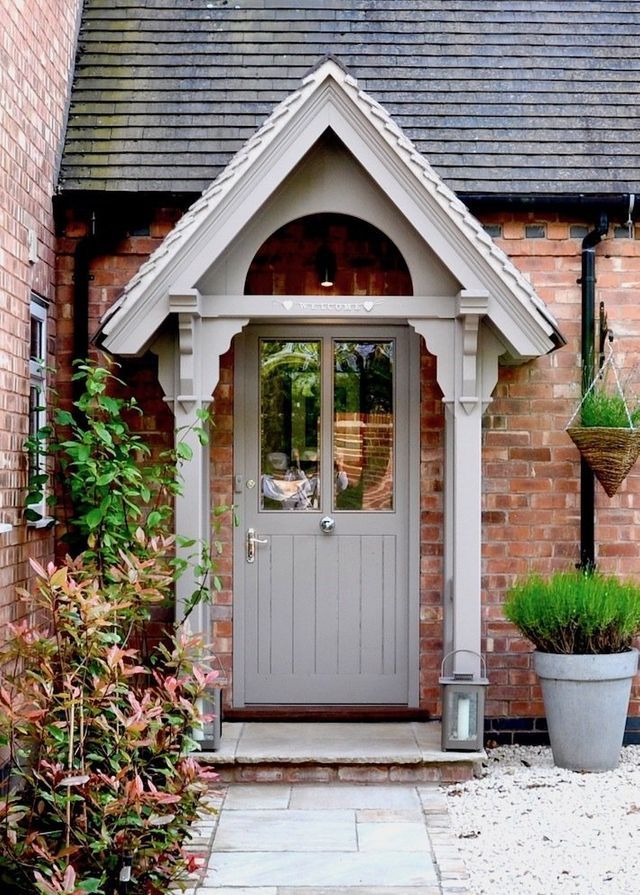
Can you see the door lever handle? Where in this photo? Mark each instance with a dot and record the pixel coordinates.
(252, 540)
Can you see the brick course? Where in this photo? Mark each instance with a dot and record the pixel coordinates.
(454, 772)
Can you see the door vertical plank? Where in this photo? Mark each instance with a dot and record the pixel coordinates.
(303, 561)
(327, 606)
(349, 599)
(258, 649)
(279, 631)
(372, 603)
(392, 602)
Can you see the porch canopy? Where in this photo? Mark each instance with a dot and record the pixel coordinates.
(331, 148)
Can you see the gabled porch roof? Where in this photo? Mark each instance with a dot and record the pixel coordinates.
(329, 99)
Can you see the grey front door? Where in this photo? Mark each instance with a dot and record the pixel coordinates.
(323, 466)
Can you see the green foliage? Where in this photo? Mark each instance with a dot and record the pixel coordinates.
(601, 408)
(107, 483)
(576, 612)
(99, 734)
(96, 722)
(105, 475)
(607, 403)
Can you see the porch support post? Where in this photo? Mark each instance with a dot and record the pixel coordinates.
(467, 372)
(189, 370)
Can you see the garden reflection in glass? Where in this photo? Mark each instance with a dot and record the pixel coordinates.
(290, 386)
(363, 425)
(362, 435)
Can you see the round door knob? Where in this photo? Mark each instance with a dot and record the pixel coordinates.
(327, 524)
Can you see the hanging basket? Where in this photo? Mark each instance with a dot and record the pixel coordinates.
(610, 453)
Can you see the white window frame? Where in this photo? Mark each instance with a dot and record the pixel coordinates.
(37, 412)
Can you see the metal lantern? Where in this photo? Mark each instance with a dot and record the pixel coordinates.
(210, 734)
(463, 708)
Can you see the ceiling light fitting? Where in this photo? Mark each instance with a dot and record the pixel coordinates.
(326, 267)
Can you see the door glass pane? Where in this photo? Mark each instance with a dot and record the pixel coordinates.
(289, 424)
(363, 425)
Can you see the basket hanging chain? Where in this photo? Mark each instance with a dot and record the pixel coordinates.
(609, 362)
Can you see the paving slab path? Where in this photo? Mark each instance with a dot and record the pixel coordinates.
(324, 839)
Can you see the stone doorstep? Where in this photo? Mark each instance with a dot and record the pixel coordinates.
(401, 752)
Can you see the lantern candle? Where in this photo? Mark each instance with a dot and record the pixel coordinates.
(464, 708)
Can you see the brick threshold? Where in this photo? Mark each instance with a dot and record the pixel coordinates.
(322, 713)
(309, 772)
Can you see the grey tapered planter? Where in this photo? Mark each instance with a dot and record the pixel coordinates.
(586, 699)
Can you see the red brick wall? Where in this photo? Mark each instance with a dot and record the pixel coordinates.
(117, 241)
(36, 54)
(531, 468)
(118, 237)
(431, 533)
(531, 485)
(222, 495)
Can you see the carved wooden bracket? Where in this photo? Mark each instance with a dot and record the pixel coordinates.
(186, 305)
(189, 360)
(471, 308)
(186, 363)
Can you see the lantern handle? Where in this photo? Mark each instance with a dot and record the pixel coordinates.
(472, 653)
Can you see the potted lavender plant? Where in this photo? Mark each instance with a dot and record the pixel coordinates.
(582, 627)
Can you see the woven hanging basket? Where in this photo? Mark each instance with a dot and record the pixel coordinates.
(610, 453)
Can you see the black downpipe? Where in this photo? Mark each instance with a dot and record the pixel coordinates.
(84, 253)
(587, 478)
(86, 250)
(97, 242)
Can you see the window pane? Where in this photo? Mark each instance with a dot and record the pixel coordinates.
(363, 425)
(37, 340)
(36, 421)
(290, 424)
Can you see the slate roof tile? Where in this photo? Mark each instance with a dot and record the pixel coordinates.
(503, 97)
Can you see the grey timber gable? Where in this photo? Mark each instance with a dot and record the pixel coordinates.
(302, 118)
(503, 98)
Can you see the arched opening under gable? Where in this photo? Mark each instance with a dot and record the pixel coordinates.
(298, 258)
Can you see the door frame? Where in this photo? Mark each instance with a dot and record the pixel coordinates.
(413, 502)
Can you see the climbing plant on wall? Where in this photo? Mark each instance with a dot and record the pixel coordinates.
(96, 721)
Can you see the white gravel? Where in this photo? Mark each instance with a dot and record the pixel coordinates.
(529, 828)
